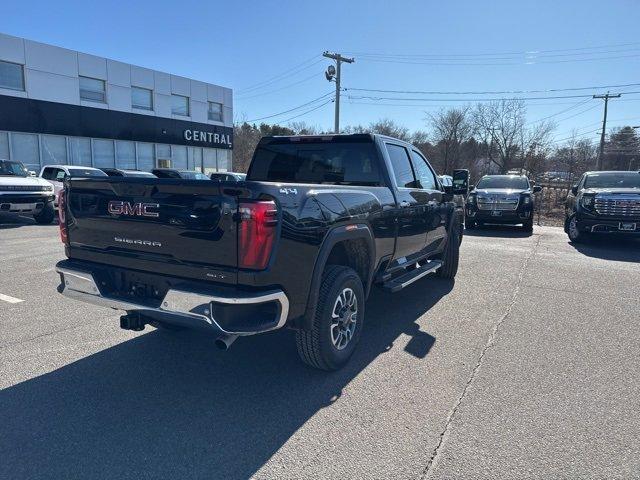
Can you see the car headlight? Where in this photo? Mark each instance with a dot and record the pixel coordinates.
(526, 199)
(48, 188)
(587, 201)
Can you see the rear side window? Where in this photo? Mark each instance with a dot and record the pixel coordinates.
(401, 166)
(340, 163)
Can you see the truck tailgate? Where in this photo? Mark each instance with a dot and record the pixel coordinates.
(154, 222)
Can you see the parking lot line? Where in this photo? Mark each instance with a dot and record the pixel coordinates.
(8, 299)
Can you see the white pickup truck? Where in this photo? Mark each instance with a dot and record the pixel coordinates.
(22, 193)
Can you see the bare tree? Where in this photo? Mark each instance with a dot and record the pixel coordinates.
(451, 128)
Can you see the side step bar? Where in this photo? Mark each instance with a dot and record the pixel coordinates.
(398, 283)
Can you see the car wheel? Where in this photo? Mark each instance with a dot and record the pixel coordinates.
(46, 215)
(575, 235)
(337, 322)
(450, 257)
(469, 224)
(528, 226)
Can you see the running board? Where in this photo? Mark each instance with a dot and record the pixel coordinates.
(408, 278)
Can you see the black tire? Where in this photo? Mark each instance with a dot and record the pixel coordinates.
(575, 235)
(451, 256)
(315, 345)
(469, 224)
(46, 215)
(528, 226)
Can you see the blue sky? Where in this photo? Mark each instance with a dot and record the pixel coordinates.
(239, 44)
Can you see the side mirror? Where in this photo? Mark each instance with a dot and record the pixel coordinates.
(32, 173)
(537, 189)
(574, 189)
(461, 182)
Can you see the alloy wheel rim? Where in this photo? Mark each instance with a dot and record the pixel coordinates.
(344, 318)
(573, 229)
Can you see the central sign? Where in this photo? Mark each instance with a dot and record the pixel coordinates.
(208, 138)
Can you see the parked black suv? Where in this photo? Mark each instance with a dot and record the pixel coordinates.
(298, 244)
(502, 199)
(603, 203)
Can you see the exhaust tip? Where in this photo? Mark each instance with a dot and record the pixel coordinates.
(224, 341)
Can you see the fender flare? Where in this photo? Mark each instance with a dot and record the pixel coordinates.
(333, 237)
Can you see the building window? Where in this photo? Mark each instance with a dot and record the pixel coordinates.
(180, 105)
(92, 89)
(215, 111)
(11, 76)
(141, 98)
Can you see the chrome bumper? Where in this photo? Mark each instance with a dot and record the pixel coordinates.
(179, 307)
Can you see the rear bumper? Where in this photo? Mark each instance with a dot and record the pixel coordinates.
(184, 307)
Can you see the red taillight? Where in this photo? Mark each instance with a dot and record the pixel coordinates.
(62, 216)
(257, 232)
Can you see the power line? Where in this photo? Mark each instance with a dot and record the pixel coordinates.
(308, 111)
(306, 79)
(490, 92)
(439, 62)
(287, 73)
(368, 97)
(291, 109)
(525, 52)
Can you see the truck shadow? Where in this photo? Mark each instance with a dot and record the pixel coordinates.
(172, 406)
(15, 221)
(610, 248)
(494, 230)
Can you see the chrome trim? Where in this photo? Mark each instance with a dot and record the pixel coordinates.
(624, 205)
(190, 306)
(497, 202)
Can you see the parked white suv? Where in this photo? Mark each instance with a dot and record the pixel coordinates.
(22, 193)
(55, 175)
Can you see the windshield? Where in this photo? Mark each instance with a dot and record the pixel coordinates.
(504, 181)
(189, 175)
(613, 180)
(86, 172)
(13, 168)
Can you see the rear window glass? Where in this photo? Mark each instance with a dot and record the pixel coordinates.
(85, 172)
(316, 162)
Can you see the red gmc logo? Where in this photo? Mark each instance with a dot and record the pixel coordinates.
(136, 209)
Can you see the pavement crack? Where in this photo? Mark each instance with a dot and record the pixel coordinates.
(28, 340)
(490, 342)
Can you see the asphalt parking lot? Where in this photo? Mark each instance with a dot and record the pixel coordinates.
(528, 366)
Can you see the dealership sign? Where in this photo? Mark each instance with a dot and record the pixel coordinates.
(208, 138)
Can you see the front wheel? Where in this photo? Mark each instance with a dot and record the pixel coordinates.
(46, 215)
(528, 226)
(469, 224)
(337, 323)
(574, 233)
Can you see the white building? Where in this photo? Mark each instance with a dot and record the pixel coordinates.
(59, 106)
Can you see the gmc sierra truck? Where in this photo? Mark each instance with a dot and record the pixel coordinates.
(298, 244)
(603, 203)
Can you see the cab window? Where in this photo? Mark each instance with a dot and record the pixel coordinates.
(425, 175)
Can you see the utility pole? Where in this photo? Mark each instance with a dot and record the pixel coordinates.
(606, 98)
(336, 73)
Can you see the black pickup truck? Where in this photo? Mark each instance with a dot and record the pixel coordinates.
(603, 203)
(299, 244)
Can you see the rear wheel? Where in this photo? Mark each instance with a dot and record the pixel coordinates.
(451, 256)
(46, 215)
(337, 323)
